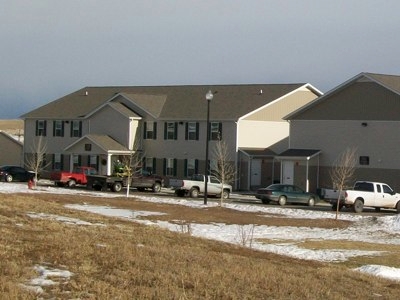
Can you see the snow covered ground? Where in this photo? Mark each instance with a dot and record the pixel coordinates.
(374, 229)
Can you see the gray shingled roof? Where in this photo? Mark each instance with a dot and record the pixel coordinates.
(169, 102)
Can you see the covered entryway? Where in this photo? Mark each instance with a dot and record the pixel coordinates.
(106, 149)
(256, 169)
(300, 167)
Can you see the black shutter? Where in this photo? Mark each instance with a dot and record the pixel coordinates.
(80, 128)
(45, 128)
(197, 131)
(176, 131)
(220, 130)
(52, 161)
(175, 166)
(164, 166)
(71, 126)
(144, 130)
(154, 130)
(165, 130)
(186, 167)
(37, 127)
(54, 128)
(62, 128)
(62, 162)
(154, 165)
(196, 166)
(186, 131)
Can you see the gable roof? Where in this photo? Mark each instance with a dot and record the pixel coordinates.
(391, 83)
(170, 102)
(104, 142)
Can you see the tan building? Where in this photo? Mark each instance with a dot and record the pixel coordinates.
(167, 124)
(361, 113)
(11, 138)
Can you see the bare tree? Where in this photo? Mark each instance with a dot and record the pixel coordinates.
(225, 169)
(131, 165)
(342, 173)
(36, 159)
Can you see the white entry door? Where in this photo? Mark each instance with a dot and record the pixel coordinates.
(255, 172)
(287, 172)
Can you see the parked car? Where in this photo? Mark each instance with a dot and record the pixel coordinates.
(285, 193)
(15, 173)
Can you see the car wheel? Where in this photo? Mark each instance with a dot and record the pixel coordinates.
(264, 201)
(282, 200)
(9, 178)
(141, 189)
(71, 183)
(97, 187)
(358, 206)
(225, 194)
(398, 207)
(194, 193)
(116, 187)
(180, 193)
(377, 209)
(311, 201)
(156, 187)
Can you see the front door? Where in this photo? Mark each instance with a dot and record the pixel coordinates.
(287, 172)
(255, 173)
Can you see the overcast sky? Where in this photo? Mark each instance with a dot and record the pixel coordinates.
(51, 48)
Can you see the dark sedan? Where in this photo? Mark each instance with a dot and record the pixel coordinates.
(15, 173)
(285, 193)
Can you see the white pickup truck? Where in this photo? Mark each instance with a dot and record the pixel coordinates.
(371, 194)
(195, 186)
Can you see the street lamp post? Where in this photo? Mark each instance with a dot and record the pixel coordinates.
(209, 97)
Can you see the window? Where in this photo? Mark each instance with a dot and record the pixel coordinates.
(76, 128)
(76, 160)
(170, 130)
(150, 130)
(88, 147)
(58, 128)
(387, 189)
(57, 161)
(41, 127)
(215, 131)
(364, 160)
(93, 161)
(150, 165)
(192, 131)
(191, 167)
(170, 166)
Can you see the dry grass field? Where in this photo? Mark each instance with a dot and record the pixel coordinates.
(112, 258)
(12, 125)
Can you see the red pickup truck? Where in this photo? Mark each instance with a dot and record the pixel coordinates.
(78, 176)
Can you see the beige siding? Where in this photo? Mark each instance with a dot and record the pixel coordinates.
(279, 109)
(257, 134)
